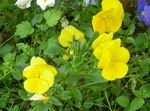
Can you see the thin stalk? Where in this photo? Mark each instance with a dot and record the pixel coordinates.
(106, 96)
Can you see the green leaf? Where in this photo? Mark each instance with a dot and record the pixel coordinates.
(123, 101)
(131, 29)
(141, 41)
(145, 89)
(42, 107)
(24, 29)
(37, 19)
(52, 17)
(54, 49)
(66, 95)
(76, 94)
(15, 108)
(88, 104)
(56, 101)
(130, 40)
(5, 49)
(77, 60)
(17, 74)
(136, 104)
(145, 65)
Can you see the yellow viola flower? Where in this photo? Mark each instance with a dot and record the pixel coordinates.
(40, 76)
(110, 18)
(68, 34)
(106, 21)
(102, 40)
(113, 62)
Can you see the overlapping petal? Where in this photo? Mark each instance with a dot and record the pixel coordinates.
(113, 4)
(102, 40)
(115, 70)
(36, 85)
(121, 55)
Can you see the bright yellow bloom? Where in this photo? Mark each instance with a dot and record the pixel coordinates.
(110, 18)
(113, 60)
(69, 34)
(40, 76)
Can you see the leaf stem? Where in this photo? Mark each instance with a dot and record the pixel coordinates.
(106, 96)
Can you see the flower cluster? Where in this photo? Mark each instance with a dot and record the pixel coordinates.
(112, 57)
(110, 18)
(42, 3)
(144, 11)
(40, 76)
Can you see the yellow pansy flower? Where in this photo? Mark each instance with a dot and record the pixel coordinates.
(106, 21)
(68, 34)
(40, 76)
(115, 66)
(113, 61)
(110, 18)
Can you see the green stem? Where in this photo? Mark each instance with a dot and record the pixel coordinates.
(95, 83)
(106, 96)
(5, 75)
(127, 31)
(6, 40)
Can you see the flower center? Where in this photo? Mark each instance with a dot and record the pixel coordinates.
(142, 12)
(45, 1)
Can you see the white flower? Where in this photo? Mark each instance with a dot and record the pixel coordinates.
(89, 2)
(23, 3)
(44, 3)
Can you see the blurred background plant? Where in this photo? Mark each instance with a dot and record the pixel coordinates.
(78, 85)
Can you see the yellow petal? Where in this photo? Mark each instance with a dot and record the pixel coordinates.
(98, 53)
(30, 72)
(111, 4)
(113, 45)
(112, 21)
(37, 61)
(52, 69)
(115, 70)
(48, 77)
(105, 59)
(121, 55)
(98, 23)
(36, 85)
(68, 34)
(65, 38)
(107, 21)
(102, 39)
